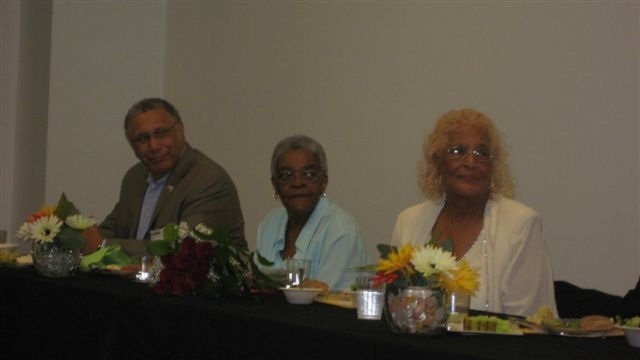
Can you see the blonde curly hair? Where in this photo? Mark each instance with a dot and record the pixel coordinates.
(436, 143)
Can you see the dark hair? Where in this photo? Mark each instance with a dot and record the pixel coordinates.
(147, 104)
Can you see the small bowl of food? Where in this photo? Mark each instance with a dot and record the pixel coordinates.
(631, 329)
(9, 253)
(300, 296)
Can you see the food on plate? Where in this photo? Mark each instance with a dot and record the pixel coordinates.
(7, 257)
(488, 323)
(343, 299)
(24, 260)
(112, 267)
(121, 269)
(315, 284)
(596, 323)
(543, 314)
(587, 323)
(629, 322)
(586, 326)
(631, 329)
(590, 323)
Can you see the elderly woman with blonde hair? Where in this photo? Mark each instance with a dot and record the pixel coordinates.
(469, 191)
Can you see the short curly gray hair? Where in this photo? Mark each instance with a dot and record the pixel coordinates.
(296, 142)
(148, 104)
(436, 143)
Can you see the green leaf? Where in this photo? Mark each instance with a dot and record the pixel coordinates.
(262, 280)
(117, 256)
(110, 255)
(92, 259)
(367, 268)
(65, 208)
(170, 232)
(159, 247)
(385, 250)
(262, 260)
(70, 239)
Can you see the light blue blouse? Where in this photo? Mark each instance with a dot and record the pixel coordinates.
(331, 238)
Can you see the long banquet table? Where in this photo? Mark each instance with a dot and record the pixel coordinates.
(107, 317)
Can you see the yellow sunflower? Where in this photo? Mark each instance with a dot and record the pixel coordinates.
(463, 280)
(398, 260)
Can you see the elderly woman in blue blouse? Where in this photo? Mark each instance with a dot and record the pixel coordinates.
(309, 225)
(469, 201)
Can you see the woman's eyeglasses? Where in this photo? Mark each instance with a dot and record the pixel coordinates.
(288, 176)
(460, 152)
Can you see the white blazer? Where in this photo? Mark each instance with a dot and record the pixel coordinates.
(510, 254)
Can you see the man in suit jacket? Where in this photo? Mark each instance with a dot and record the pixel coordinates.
(172, 182)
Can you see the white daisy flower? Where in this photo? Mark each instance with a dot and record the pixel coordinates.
(80, 222)
(24, 232)
(431, 260)
(183, 230)
(45, 228)
(198, 230)
(203, 229)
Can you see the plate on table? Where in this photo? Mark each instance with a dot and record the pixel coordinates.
(8, 254)
(9, 246)
(114, 270)
(342, 299)
(472, 332)
(489, 325)
(572, 328)
(563, 331)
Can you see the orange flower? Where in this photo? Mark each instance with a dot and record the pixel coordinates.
(44, 211)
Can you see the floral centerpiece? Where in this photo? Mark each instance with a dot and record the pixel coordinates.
(426, 265)
(418, 280)
(204, 261)
(56, 232)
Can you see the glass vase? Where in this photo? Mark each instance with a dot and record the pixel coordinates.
(415, 310)
(52, 261)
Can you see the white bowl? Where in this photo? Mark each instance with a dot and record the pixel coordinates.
(632, 334)
(300, 296)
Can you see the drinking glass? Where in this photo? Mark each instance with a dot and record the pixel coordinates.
(369, 297)
(458, 308)
(144, 274)
(297, 271)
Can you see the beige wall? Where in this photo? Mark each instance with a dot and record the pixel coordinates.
(367, 80)
(105, 56)
(25, 28)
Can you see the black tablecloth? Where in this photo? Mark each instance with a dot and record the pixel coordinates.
(100, 317)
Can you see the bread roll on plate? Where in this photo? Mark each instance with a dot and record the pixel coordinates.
(596, 323)
(315, 284)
